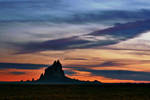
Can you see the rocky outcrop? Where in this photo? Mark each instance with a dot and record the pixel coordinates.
(55, 74)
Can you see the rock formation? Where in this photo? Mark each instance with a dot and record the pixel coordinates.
(55, 74)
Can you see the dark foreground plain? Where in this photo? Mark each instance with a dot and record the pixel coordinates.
(75, 92)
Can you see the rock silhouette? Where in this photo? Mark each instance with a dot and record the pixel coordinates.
(55, 74)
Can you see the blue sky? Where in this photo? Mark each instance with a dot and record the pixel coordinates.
(23, 20)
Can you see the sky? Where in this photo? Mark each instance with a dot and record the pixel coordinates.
(104, 40)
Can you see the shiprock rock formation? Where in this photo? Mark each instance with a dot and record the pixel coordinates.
(55, 74)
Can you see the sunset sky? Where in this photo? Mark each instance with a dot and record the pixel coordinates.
(105, 40)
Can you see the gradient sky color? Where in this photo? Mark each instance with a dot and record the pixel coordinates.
(100, 40)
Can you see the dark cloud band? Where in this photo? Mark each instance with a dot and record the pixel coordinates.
(109, 36)
(21, 66)
(116, 74)
(17, 73)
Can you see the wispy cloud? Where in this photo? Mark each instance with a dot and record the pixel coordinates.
(123, 74)
(115, 74)
(17, 73)
(75, 58)
(102, 64)
(109, 36)
(21, 66)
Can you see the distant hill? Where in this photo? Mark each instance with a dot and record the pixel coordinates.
(55, 74)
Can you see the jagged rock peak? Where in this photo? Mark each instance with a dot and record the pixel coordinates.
(53, 72)
(55, 66)
(56, 63)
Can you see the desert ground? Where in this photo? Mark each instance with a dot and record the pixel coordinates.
(75, 92)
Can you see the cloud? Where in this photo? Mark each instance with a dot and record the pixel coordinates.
(72, 11)
(103, 64)
(69, 72)
(20, 66)
(116, 74)
(58, 44)
(106, 17)
(35, 21)
(74, 58)
(123, 74)
(105, 37)
(17, 73)
(110, 64)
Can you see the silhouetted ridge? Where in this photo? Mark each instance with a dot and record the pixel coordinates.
(55, 73)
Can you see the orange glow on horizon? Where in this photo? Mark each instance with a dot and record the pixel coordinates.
(105, 80)
(85, 76)
(91, 57)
